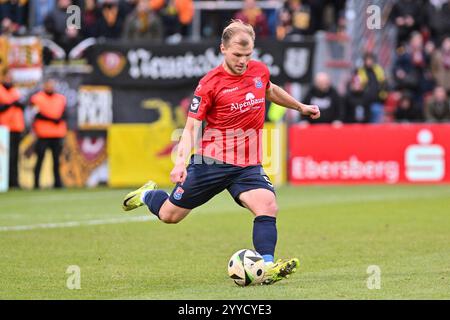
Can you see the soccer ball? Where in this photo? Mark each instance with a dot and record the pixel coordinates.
(246, 267)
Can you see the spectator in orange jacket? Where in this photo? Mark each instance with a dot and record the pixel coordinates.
(176, 15)
(11, 116)
(50, 128)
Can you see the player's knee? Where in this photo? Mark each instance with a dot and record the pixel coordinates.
(166, 216)
(171, 214)
(169, 219)
(272, 208)
(267, 209)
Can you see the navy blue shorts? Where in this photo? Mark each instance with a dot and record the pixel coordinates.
(205, 180)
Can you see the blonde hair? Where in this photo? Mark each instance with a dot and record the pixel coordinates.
(234, 28)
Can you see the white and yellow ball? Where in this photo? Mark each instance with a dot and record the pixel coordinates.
(246, 267)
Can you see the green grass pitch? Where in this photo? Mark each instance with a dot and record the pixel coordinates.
(337, 232)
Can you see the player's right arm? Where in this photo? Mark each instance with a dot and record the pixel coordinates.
(200, 104)
(190, 131)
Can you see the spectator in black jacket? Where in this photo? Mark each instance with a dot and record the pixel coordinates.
(111, 20)
(326, 98)
(407, 15)
(71, 38)
(14, 13)
(356, 103)
(411, 69)
(437, 20)
(89, 17)
(56, 21)
(407, 110)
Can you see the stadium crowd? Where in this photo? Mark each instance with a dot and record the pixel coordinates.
(416, 89)
(158, 19)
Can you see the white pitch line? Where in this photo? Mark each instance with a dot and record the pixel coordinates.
(72, 224)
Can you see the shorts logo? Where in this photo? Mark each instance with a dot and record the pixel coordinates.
(195, 104)
(269, 183)
(258, 82)
(178, 194)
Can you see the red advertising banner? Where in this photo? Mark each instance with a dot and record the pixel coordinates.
(390, 153)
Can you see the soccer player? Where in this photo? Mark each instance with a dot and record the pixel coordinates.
(231, 99)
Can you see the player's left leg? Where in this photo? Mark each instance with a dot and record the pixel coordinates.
(252, 189)
(262, 203)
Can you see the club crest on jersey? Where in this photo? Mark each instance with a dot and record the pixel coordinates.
(195, 104)
(178, 194)
(258, 82)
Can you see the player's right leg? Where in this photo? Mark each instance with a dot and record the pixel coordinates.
(203, 181)
(156, 201)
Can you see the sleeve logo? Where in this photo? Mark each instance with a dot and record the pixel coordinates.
(258, 82)
(195, 104)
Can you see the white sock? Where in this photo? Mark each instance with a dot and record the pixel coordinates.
(143, 194)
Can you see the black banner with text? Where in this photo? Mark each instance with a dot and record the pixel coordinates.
(155, 66)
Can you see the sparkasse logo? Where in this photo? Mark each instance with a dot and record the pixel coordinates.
(425, 161)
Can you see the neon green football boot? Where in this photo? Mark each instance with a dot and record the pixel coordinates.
(133, 199)
(280, 270)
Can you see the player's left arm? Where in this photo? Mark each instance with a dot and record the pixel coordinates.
(279, 96)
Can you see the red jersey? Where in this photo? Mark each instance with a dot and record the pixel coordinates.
(233, 107)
